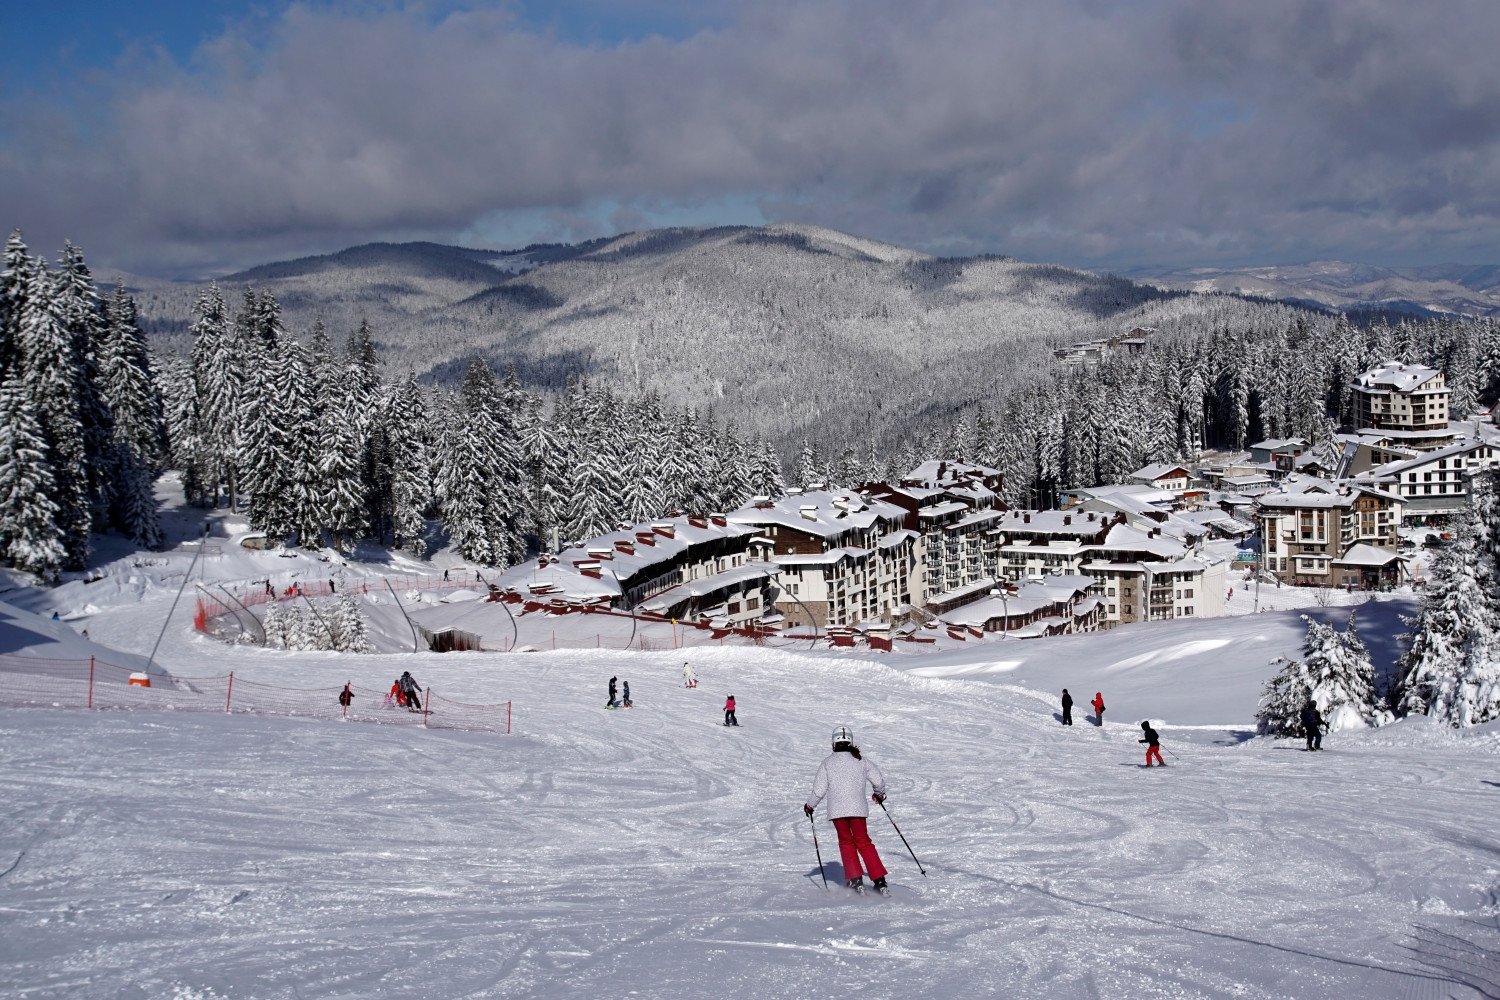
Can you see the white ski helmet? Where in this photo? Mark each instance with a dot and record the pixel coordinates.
(843, 734)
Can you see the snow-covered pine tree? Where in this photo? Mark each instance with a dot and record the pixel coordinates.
(411, 468)
(542, 453)
(765, 473)
(51, 377)
(341, 510)
(218, 378)
(14, 273)
(30, 538)
(83, 316)
(1449, 670)
(273, 623)
(1335, 671)
(809, 466)
(347, 624)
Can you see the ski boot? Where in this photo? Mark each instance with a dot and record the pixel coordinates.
(857, 885)
(879, 886)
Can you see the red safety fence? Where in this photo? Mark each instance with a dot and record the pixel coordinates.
(34, 682)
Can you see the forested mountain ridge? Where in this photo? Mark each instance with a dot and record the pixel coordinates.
(792, 330)
(1467, 289)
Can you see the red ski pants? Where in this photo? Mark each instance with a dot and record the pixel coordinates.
(1154, 752)
(854, 844)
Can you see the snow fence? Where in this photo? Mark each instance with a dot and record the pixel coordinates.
(94, 684)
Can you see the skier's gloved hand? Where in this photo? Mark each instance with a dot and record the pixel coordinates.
(807, 809)
(878, 798)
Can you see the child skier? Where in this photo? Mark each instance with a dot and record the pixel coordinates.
(396, 694)
(613, 688)
(1153, 745)
(841, 779)
(689, 679)
(729, 719)
(625, 701)
(1098, 704)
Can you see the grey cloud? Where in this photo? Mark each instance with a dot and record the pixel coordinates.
(1164, 130)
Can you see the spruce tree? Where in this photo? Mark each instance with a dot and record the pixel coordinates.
(1335, 672)
(30, 538)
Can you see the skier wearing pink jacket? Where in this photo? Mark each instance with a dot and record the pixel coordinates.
(841, 780)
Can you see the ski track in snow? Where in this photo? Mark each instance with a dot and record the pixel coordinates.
(651, 852)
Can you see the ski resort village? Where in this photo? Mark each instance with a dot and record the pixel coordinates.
(517, 500)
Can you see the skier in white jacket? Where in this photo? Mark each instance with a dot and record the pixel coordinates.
(689, 679)
(841, 779)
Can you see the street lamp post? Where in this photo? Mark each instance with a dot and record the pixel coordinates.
(1005, 605)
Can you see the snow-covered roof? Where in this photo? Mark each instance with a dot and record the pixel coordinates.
(1068, 524)
(823, 513)
(941, 472)
(1276, 444)
(941, 509)
(821, 558)
(1393, 375)
(1427, 458)
(729, 579)
(1029, 597)
(1158, 470)
(1368, 555)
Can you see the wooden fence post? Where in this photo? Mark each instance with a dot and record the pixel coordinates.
(91, 682)
(229, 694)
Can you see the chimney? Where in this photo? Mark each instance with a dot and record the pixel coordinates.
(664, 528)
(645, 538)
(625, 546)
(1067, 519)
(809, 511)
(719, 520)
(1091, 515)
(1026, 518)
(588, 567)
(600, 553)
(698, 520)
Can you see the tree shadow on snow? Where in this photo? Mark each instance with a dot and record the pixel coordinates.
(1380, 628)
(1236, 737)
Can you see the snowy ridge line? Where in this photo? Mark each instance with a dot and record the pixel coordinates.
(92, 685)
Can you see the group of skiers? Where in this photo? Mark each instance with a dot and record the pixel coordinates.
(615, 698)
(1067, 708)
(405, 693)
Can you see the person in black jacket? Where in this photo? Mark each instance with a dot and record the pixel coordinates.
(1067, 708)
(1313, 725)
(346, 696)
(614, 684)
(1153, 745)
(413, 692)
(625, 697)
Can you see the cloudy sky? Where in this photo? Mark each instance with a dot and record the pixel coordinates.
(186, 137)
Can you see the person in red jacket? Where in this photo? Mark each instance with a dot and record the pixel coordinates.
(729, 719)
(1098, 704)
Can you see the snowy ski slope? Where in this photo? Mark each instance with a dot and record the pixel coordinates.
(653, 853)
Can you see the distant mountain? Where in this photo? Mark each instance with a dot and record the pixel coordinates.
(1442, 288)
(794, 331)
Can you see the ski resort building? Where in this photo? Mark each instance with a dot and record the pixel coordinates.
(1401, 397)
(953, 508)
(1054, 605)
(839, 557)
(1332, 535)
(1435, 483)
(1141, 574)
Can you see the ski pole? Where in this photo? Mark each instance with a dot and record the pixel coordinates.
(903, 838)
(820, 852)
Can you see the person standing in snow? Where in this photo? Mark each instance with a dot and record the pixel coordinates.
(613, 696)
(346, 696)
(1098, 704)
(395, 695)
(1067, 703)
(1153, 744)
(625, 702)
(689, 679)
(729, 719)
(411, 690)
(1313, 725)
(841, 779)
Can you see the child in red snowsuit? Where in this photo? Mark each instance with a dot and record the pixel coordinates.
(729, 719)
(1098, 704)
(1153, 745)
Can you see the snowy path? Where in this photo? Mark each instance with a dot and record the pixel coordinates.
(654, 853)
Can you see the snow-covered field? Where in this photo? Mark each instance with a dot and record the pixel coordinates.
(655, 853)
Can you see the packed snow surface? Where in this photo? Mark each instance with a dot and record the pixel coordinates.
(652, 852)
